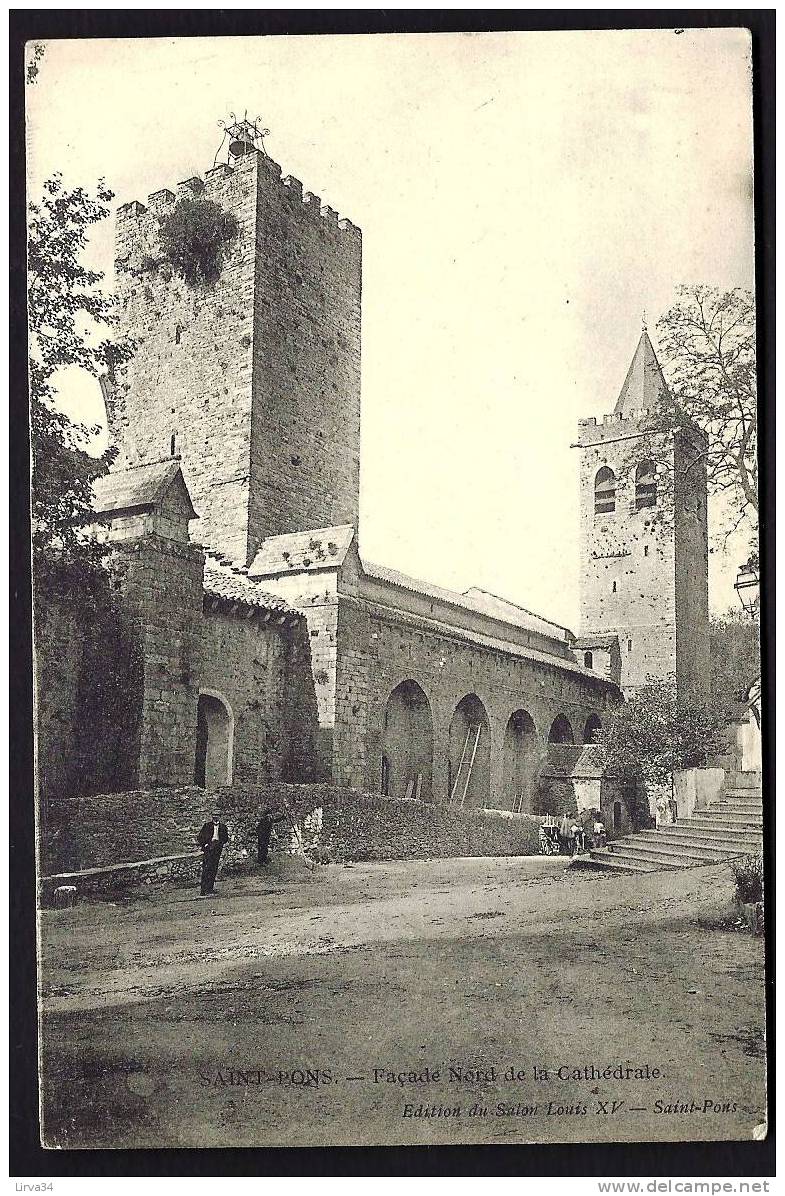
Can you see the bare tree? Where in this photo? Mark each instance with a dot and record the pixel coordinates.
(707, 346)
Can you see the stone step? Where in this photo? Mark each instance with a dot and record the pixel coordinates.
(605, 859)
(723, 843)
(730, 823)
(654, 841)
(726, 819)
(698, 830)
(671, 856)
(754, 816)
(727, 844)
(742, 797)
(743, 780)
(734, 804)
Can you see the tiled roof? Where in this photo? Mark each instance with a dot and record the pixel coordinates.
(225, 581)
(473, 599)
(298, 552)
(512, 612)
(596, 641)
(644, 387)
(574, 760)
(137, 488)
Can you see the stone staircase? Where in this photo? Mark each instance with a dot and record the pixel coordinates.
(731, 826)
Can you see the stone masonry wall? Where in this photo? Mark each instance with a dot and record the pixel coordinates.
(60, 635)
(379, 648)
(191, 375)
(693, 667)
(88, 684)
(315, 596)
(142, 729)
(305, 448)
(161, 581)
(262, 669)
(633, 550)
(144, 825)
(257, 376)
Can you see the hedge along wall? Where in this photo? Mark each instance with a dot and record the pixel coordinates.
(124, 827)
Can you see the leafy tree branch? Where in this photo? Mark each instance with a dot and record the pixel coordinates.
(70, 321)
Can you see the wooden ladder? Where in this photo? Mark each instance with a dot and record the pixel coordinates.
(464, 774)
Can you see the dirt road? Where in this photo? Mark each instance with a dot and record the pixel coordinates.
(423, 1001)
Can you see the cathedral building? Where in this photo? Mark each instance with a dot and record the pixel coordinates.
(235, 501)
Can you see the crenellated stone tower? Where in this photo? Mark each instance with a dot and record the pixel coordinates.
(643, 535)
(253, 382)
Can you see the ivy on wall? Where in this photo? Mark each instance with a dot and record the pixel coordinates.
(107, 706)
(195, 238)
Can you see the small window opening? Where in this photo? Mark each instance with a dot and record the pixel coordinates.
(588, 660)
(645, 486)
(645, 550)
(605, 491)
(178, 332)
(614, 588)
(173, 446)
(629, 645)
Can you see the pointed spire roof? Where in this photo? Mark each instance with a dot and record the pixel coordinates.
(644, 387)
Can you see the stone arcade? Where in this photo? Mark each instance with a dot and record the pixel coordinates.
(243, 399)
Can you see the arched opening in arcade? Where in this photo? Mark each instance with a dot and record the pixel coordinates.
(561, 731)
(592, 729)
(520, 762)
(469, 768)
(407, 744)
(214, 741)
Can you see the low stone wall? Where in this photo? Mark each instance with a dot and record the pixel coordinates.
(697, 789)
(100, 881)
(367, 826)
(148, 825)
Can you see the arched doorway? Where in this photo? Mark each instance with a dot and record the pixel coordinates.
(561, 731)
(407, 743)
(214, 741)
(592, 729)
(469, 772)
(520, 762)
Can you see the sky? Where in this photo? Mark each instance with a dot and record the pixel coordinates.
(524, 198)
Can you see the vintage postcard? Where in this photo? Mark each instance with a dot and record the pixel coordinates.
(396, 589)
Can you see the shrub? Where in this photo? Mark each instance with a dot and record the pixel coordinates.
(748, 874)
(195, 238)
(655, 732)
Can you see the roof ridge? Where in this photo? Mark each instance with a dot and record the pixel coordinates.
(518, 606)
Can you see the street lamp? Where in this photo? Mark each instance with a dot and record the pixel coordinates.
(747, 586)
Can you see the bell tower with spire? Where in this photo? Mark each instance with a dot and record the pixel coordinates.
(643, 534)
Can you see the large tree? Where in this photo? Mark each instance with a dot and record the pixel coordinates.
(70, 319)
(707, 342)
(654, 732)
(735, 659)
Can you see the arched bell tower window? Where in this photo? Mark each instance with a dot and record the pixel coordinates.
(645, 486)
(605, 491)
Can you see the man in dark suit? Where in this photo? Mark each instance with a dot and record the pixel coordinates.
(264, 829)
(211, 839)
